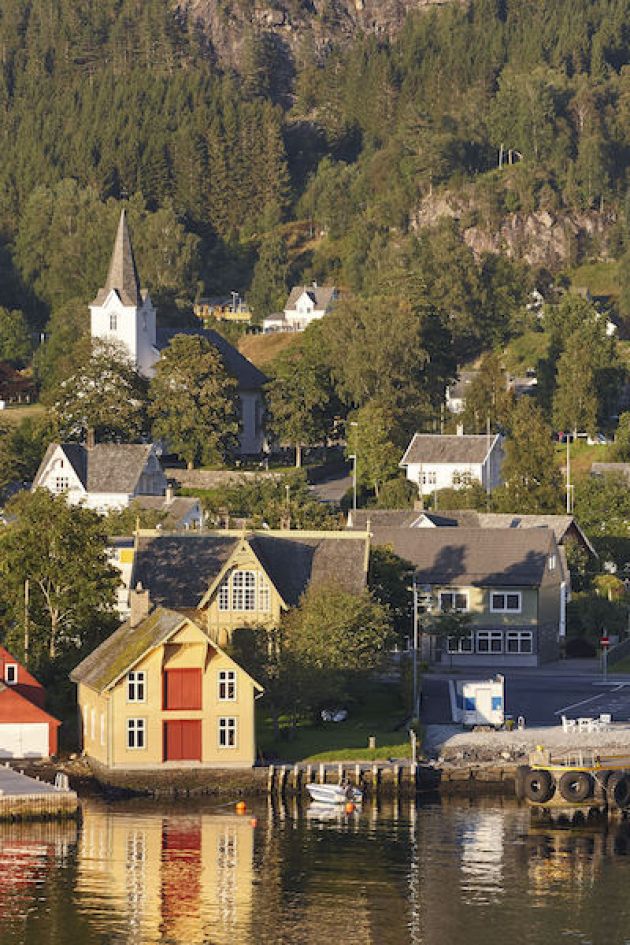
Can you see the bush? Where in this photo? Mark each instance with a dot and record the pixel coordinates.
(579, 648)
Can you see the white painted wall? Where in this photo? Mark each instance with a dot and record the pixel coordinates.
(24, 740)
(134, 330)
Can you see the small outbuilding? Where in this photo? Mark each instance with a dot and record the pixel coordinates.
(26, 729)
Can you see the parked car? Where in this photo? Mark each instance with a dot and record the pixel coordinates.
(598, 439)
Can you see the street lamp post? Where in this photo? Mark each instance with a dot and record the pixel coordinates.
(415, 647)
(353, 457)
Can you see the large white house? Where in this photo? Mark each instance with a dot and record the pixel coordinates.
(123, 312)
(104, 477)
(434, 461)
(306, 303)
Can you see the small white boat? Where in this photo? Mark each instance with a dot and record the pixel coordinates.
(334, 793)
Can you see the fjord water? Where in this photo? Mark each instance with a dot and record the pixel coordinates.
(478, 872)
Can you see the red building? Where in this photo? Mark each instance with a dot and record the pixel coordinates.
(26, 729)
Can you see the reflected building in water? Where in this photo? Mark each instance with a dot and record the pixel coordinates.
(181, 877)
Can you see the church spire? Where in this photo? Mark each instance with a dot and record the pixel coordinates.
(123, 274)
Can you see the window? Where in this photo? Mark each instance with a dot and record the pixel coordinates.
(136, 684)
(11, 674)
(429, 478)
(460, 644)
(519, 641)
(264, 594)
(62, 483)
(489, 641)
(227, 733)
(453, 600)
(113, 321)
(93, 725)
(102, 728)
(552, 562)
(227, 685)
(136, 729)
(86, 715)
(505, 603)
(245, 591)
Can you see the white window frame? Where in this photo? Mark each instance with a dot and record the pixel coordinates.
(136, 681)
(453, 609)
(244, 591)
(14, 674)
(113, 321)
(136, 732)
(498, 609)
(461, 644)
(62, 484)
(102, 729)
(490, 636)
(226, 678)
(93, 725)
(521, 637)
(552, 562)
(227, 731)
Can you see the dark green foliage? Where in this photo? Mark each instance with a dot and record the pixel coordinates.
(15, 338)
(532, 479)
(22, 447)
(193, 401)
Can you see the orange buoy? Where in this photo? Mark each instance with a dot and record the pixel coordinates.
(350, 808)
(241, 807)
(253, 822)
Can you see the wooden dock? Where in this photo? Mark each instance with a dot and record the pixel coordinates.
(378, 779)
(24, 798)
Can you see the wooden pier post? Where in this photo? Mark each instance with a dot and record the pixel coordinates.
(322, 774)
(270, 779)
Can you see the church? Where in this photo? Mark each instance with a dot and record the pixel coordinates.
(123, 312)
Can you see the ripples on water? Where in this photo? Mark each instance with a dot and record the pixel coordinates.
(194, 874)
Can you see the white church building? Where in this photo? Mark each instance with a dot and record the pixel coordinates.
(123, 312)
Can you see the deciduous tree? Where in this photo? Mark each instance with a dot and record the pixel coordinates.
(193, 401)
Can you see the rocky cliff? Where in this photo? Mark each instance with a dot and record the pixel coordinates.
(304, 28)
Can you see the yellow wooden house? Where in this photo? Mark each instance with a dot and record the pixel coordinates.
(160, 693)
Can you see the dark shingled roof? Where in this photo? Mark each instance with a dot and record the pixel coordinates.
(246, 373)
(436, 448)
(322, 295)
(394, 518)
(174, 511)
(122, 275)
(124, 647)
(177, 570)
(107, 467)
(611, 469)
(473, 556)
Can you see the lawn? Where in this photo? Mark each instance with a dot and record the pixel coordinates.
(600, 278)
(623, 666)
(17, 412)
(582, 455)
(344, 741)
(262, 349)
(526, 351)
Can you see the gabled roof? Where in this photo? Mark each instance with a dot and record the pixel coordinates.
(321, 295)
(611, 469)
(16, 707)
(175, 510)
(106, 467)
(481, 557)
(436, 448)
(396, 518)
(121, 651)
(246, 373)
(122, 276)
(178, 570)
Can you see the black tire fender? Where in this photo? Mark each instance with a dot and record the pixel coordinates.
(575, 786)
(618, 790)
(538, 786)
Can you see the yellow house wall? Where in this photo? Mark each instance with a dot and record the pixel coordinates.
(93, 707)
(222, 623)
(189, 649)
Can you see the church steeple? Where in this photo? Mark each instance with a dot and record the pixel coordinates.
(122, 275)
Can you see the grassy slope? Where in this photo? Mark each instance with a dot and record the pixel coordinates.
(582, 455)
(600, 278)
(345, 741)
(15, 414)
(262, 349)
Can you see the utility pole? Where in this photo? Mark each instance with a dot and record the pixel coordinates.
(568, 474)
(353, 457)
(415, 647)
(26, 620)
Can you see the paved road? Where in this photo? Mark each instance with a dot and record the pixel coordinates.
(540, 696)
(332, 490)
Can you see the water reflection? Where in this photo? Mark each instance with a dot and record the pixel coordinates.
(140, 873)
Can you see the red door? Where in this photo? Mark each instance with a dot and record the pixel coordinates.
(182, 689)
(182, 740)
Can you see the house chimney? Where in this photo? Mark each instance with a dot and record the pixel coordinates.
(90, 439)
(460, 429)
(139, 605)
(169, 494)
